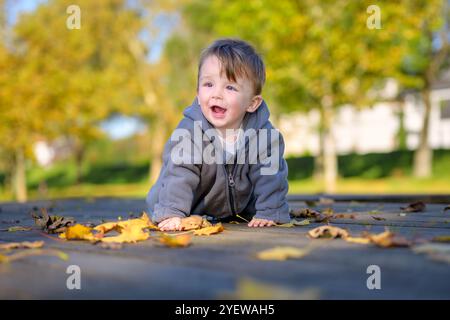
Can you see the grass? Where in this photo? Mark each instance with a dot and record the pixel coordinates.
(308, 186)
(370, 174)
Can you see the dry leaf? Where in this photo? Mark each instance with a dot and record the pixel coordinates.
(175, 241)
(441, 239)
(388, 239)
(283, 253)
(343, 216)
(34, 252)
(128, 234)
(446, 208)
(438, 252)
(378, 218)
(357, 240)
(418, 206)
(194, 222)
(304, 222)
(248, 289)
(21, 245)
(285, 225)
(209, 230)
(328, 232)
(51, 224)
(78, 232)
(18, 228)
(309, 213)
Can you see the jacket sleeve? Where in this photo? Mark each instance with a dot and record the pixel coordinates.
(178, 182)
(269, 176)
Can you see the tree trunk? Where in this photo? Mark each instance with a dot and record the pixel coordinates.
(401, 133)
(423, 157)
(159, 135)
(20, 187)
(318, 159)
(79, 156)
(329, 148)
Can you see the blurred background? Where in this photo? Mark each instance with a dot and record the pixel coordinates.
(91, 90)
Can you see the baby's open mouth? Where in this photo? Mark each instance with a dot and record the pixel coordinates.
(217, 109)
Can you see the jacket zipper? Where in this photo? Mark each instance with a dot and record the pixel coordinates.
(231, 185)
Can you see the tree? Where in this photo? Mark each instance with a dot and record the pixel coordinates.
(319, 54)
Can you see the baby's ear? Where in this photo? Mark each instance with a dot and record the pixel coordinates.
(255, 103)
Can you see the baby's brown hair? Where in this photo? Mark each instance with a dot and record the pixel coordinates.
(239, 59)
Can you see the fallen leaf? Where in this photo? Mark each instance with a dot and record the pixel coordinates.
(51, 224)
(343, 216)
(388, 239)
(128, 234)
(378, 218)
(357, 240)
(209, 230)
(248, 289)
(142, 222)
(439, 252)
(328, 232)
(309, 213)
(310, 203)
(194, 222)
(78, 232)
(21, 245)
(441, 239)
(418, 206)
(304, 222)
(34, 252)
(286, 225)
(446, 208)
(18, 228)
(175, 241)
(282, 253)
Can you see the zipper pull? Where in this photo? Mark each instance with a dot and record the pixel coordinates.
(230, 180)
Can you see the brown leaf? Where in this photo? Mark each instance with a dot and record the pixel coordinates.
(194, 222)
(309, 213)
(21, 245)
(446, 208)
(283, 253)
(378, 218)
(51, 224)
(209, 230)
(18, 228)
(343, 216)
(175, 241)
(328, 232)
(418, 206)
(388, 239)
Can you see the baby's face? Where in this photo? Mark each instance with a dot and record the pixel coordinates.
(223, 102)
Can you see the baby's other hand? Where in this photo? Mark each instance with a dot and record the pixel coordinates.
(170, 224)
(261, 223)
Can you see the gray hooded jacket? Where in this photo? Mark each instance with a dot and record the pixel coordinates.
(221, 190)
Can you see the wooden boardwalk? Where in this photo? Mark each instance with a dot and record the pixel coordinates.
(224, 265)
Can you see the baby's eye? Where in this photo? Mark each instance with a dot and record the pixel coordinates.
(207, 84)
(231, 88)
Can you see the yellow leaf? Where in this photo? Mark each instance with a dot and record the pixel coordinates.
(304, 222)
(21, 245)
(175, 241)
(283, 253)
(142, 222)
(388, 239)
(128, 234)
(18, 228)
(194, 222)
(78, 232)
(209, 230)
(357, 240)
(285, 225)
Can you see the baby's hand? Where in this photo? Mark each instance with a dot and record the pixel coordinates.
(261, 223)
(170, 224)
